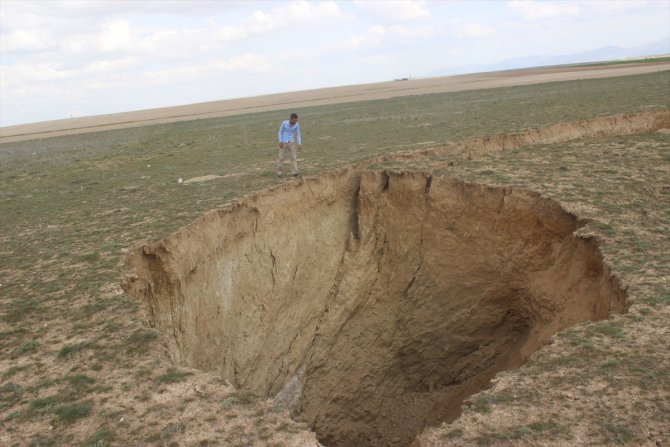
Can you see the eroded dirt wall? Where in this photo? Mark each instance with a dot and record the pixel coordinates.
(372, 303)
(240, 290)
(449, 283)
(601, 127)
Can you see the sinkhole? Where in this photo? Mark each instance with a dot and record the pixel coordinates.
(371, 303)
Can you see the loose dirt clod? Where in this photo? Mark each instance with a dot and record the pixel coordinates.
(372, 303)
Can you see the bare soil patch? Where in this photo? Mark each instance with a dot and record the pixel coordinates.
(202, 178)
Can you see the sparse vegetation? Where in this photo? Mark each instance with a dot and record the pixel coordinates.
(68, 350)
(70, 206)
(482, 403)
(80, 383)
(453, 434)
(617, 432)
(19, 309)
(26, 347)
(69, 413)
(172, 376)
(238, 398)
(102, 438)
(138, 342)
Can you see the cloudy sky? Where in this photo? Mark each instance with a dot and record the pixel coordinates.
(75, 58)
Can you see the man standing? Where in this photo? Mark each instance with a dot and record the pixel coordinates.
(289, 135)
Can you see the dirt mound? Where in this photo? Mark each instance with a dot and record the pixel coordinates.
(371, 303)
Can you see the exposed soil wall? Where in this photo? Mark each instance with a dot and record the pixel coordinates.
(602, 127)
(371, 303)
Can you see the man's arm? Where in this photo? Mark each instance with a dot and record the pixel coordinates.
(299, 137)
(279, 134)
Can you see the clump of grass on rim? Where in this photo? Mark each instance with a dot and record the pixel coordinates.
(69, 413)
(172, 376)
(139, 341)
(238, 398)
(68, 350)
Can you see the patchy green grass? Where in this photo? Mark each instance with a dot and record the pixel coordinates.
(101, 438)
(69, 413)
(139, 341)
(171, 429)
(26, 347)
(42, 441)
(68, 350)
(10, 392)
(483, 402)
(453, 434)
(172, 376)
(20, 309)
(617, 432)
(537, 431)
(80, 381)
(238, 398)
(610, 330)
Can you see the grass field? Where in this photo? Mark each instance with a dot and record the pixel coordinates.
(79, 367)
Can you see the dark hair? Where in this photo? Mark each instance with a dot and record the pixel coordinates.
(294, 115)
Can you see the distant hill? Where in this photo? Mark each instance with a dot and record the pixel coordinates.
(608, 53)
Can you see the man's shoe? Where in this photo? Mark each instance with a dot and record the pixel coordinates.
(295, 175)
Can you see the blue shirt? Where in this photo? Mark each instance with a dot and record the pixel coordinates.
(288, 133)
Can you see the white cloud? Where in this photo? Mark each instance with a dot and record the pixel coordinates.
(615, 6)
(27, 73)
(412, 33)
(118, 36)
(394, 10)
(303, 10)
(29, 94)
(93, 9)
(25, 40)
(169, 75)
(370, 39)
(74, 44)
(455, 52)
(533, 10)
(92, 86)
(376, 60)
(293, 14)
(243, 63)
(470, 30)
(378, 35)
(230, 33)
(84, 29)
(99, 66)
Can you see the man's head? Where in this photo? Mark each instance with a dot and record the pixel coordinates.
(294, 118)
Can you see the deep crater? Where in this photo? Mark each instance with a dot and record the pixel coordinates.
(372, 303)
